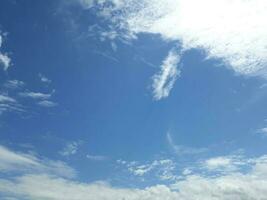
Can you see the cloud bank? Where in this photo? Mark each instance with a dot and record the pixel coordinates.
(25, 176)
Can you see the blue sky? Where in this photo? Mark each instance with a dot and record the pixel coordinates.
(133, 100)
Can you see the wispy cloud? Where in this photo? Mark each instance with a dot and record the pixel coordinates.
(11, 161)
(183, 150)
(4, 98)
(14, 84)
(9, 104)
(47, 103)
(36, 95)
(14, 104)
(163, 81)
(43, 99)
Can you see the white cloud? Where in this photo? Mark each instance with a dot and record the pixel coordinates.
(6, 99)
(70, 149)
(238, 185)
(218, 162)
(8, 104)
(162, 168)
(47, 103)
(183, 150)
(35, 95)
(163, 81)
(11, 161)
(224, 164)
(5, 60)
(44, 79)
(42, 98)
(14, 84)
(45, 187)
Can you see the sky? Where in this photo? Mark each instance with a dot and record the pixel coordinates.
(133, 100)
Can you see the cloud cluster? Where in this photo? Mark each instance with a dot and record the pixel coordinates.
(162, 168)
(36, 178)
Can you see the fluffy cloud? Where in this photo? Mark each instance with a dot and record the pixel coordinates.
(51, 188)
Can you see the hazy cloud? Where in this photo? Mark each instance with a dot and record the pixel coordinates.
(183, 150)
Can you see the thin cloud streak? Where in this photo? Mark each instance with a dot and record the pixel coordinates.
(183, 150)
(163, 82)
